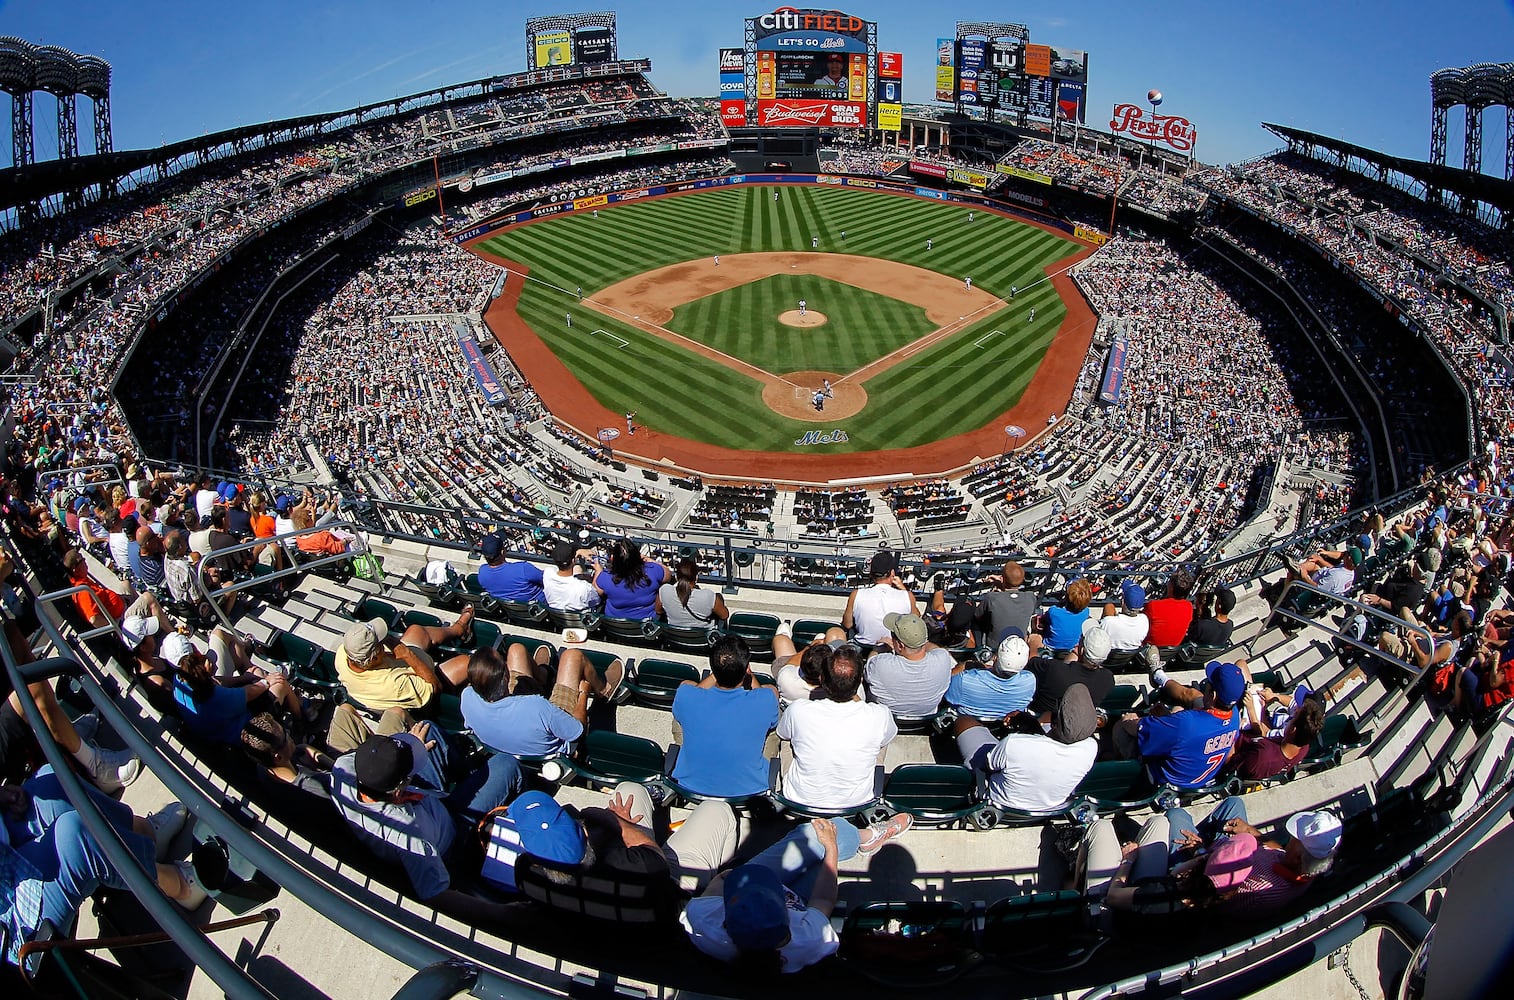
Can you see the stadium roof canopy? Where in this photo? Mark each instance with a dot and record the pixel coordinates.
(1494, 191)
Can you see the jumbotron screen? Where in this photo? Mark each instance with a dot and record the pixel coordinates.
(813, 68)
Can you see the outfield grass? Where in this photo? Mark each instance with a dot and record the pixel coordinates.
(948, 389)
(860, 327)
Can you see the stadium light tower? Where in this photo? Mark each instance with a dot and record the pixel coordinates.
(18, 78)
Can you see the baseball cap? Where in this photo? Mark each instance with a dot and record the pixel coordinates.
(1013, 654)
(1318, 832)
(1226, 681)
(365, 639)
(1132, 595)
(226, 491)
(1354, 553)
(174, 647)
(135, 628)
(491, 547)
(1096, 644)
(283, 503)
(128, 507)
(756, 909)
(1074, 719)
(546, 829)
(1225, 598)
(1229, 864)
(80, 503)
(563, 552)
(910, 629)
(882, 564)
(382, 765)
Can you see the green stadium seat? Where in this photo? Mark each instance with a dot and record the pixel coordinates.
(654, 682)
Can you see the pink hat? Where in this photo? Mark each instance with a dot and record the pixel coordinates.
(1229, 863)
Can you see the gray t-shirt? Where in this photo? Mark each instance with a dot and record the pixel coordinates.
(1003, 608)
(699, 613)
(909, 687)
(415, 835)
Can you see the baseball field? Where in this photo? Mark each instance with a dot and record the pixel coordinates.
(717, 316)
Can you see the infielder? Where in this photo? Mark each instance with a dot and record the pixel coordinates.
(968, 282)
(570, 321)
(814, 242)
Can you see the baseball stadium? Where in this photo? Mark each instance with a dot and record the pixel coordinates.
(544, 537)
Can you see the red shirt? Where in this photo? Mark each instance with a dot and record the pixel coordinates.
(1170, 618)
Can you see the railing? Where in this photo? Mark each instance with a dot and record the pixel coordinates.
(286, 543)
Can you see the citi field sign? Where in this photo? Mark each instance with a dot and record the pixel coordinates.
(788, 19)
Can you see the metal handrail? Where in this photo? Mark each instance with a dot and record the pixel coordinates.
(109, 628)
(295, 567)
(190, 939)
(1281, 610)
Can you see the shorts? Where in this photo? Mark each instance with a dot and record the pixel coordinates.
(975, 745)
(564, 697)
(15, 741)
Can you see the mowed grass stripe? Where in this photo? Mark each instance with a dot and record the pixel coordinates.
(948, 389)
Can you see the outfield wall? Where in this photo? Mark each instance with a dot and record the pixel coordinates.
(1081, 233)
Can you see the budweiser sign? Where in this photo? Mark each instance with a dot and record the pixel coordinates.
(1170, 130)
(851, 114)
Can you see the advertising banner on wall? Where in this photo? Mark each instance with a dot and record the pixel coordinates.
(554, 48)
(1038, 60)
(946, 68)
(838, 114)
(890, 66)
(732, 88)
(890, 117)
(1069, 64)
(1072, 101)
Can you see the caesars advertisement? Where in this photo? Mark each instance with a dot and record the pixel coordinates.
(812, 68)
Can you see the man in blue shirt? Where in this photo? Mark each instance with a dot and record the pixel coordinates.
(726, 719)
(1000, 688)
(1187, 748)
(508, 581)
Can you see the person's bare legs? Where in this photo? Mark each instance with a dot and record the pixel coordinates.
(538, 667)
(573, 667)
(53, 716)
(427, 636)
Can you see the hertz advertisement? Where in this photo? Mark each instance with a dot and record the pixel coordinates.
(813, 68)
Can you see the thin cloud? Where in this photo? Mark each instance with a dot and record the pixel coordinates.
(438, 69)
(372, 70)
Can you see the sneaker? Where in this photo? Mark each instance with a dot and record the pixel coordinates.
(1158, 678)
(785, 628)
(881, 833)
(310, 711)
(196, 895)
(613, 677)
(166, 824)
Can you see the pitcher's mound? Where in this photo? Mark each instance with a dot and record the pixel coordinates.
(796, 397)
(808, 318)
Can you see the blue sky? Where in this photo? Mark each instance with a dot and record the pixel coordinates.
(1354, 70)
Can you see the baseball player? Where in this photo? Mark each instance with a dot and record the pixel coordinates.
(929, 244)
(814, 242)
(826, 388)
(803, 306)
(570, 321)
(1032, 315)
(580, 293)
(968, 282)
(630, 426)
(970, 216)
(717, 260)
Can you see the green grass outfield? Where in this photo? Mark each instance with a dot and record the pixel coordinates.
(949, 389)
(860, 326)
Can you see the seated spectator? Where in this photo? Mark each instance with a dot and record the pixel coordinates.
(1083, 664)
(1212, 625)
(998, 689)
(798, 673)
(884, 594)
(565, 589)
(772, 914)
(1035, 770)
(685, 605)
(1484, 685)
(911, 675)
(1064, 622)
(1007, 606)
(1222, 861)
(217, 711)
(517, 581)
(269, 743)
(630, 583)
(52, 863)
(390, 792)
(101, 606)
(1404, 591)
(1187, 748)
(836, 738)
(146, 560)
(508, 713)
(380, 671)
(1258, 756)
(1171, 615)
(1127, 626)
(616, 840)
(725, 720)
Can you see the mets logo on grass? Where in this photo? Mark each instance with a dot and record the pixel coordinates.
(821, 437)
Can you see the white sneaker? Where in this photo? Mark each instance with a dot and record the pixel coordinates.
(197, 894)
(166, 824)
(785, 629)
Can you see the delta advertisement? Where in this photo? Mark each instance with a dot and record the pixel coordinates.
(732, 88)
